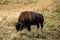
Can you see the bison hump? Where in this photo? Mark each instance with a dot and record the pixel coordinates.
(25, 16)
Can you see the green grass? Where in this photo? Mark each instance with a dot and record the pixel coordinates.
(49, 25)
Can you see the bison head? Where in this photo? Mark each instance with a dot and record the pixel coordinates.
(18, 26)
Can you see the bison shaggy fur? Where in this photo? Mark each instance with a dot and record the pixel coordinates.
(28, 18)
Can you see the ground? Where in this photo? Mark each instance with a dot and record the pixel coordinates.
(10, 11)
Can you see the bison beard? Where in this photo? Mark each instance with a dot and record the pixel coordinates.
(28, 18)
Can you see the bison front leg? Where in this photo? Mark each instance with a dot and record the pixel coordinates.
(28, 27)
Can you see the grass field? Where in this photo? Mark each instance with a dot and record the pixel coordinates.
(9, 13)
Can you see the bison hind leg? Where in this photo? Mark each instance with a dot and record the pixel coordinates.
(38, 26)
(41, 25)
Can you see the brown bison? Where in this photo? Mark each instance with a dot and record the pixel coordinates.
(28, 18)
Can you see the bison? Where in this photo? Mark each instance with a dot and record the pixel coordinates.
(28, 18)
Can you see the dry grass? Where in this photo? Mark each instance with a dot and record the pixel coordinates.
(10, 11)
